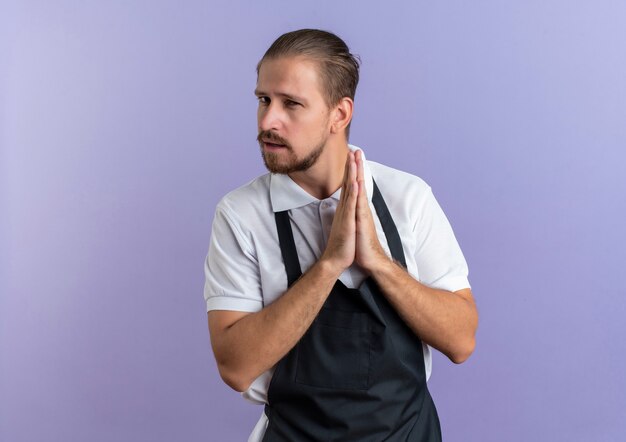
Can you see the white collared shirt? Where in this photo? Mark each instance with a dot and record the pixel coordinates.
(244, 268)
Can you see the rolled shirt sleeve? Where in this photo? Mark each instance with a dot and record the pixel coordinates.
(439, 258)
(231, 267)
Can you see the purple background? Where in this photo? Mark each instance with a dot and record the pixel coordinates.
(123, 123)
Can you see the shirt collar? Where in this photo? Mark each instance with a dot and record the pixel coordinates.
(285, 194)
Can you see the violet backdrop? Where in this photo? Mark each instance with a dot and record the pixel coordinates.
(123, 123)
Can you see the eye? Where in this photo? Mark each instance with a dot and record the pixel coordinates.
(263, 100)
(291, 103)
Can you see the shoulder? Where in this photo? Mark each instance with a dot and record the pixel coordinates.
(247, 211)
(395, 182)
(406, 195)
(248, 199)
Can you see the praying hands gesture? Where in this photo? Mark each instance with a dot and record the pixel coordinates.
(353, 234)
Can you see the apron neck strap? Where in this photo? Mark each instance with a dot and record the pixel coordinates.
(389, 227)
(288, 246)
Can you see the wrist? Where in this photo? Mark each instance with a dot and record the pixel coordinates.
(382, 267)
(330, 267)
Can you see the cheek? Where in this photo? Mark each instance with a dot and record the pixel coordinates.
(311, 121)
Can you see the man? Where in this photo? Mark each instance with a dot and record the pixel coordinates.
(328, 279)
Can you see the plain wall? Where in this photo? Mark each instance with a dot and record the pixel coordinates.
(123, 123)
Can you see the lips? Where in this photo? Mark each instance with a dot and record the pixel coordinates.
(272, 145)
(271, 141)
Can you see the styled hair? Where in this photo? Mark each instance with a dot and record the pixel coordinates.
(337, 67)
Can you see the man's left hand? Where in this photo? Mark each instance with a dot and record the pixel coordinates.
(369, 252)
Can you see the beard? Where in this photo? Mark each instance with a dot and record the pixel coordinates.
(272, 160)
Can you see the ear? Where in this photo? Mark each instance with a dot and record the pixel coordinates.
(341, 115)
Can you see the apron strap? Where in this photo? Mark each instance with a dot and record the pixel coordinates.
(389, 227)
(288, 246)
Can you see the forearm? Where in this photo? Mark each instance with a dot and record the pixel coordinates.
(257, 341)
(444, 320)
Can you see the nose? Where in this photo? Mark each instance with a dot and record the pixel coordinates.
(269, 117)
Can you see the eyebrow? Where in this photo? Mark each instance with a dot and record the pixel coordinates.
(259, 93)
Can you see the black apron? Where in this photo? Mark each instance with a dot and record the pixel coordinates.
(358, 372)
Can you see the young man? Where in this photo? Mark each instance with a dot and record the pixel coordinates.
(328, 278)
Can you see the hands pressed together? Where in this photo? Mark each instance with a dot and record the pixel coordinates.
(353, 234)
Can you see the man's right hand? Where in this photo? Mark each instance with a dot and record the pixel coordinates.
(341, 248)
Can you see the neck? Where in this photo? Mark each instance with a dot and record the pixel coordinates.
(324, 178)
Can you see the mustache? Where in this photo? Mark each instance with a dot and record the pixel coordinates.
(272, 138)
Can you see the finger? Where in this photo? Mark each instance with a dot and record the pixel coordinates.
(346, 180)
(361, 179)
(359, 162)
(362, 204)
(346, 172)
(359, 201)
(354, 198)
(349, 190)
(354, 186)
(353, 175)
(351, 170)
(361, 173)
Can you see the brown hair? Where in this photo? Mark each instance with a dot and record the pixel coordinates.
(338, 68)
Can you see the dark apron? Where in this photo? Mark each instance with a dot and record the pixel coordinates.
(358, 372)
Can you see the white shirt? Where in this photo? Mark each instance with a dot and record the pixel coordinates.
(244, 268)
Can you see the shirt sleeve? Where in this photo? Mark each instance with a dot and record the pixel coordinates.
(439, 259)
(231, 268)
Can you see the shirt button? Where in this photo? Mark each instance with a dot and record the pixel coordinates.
(325, 205)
